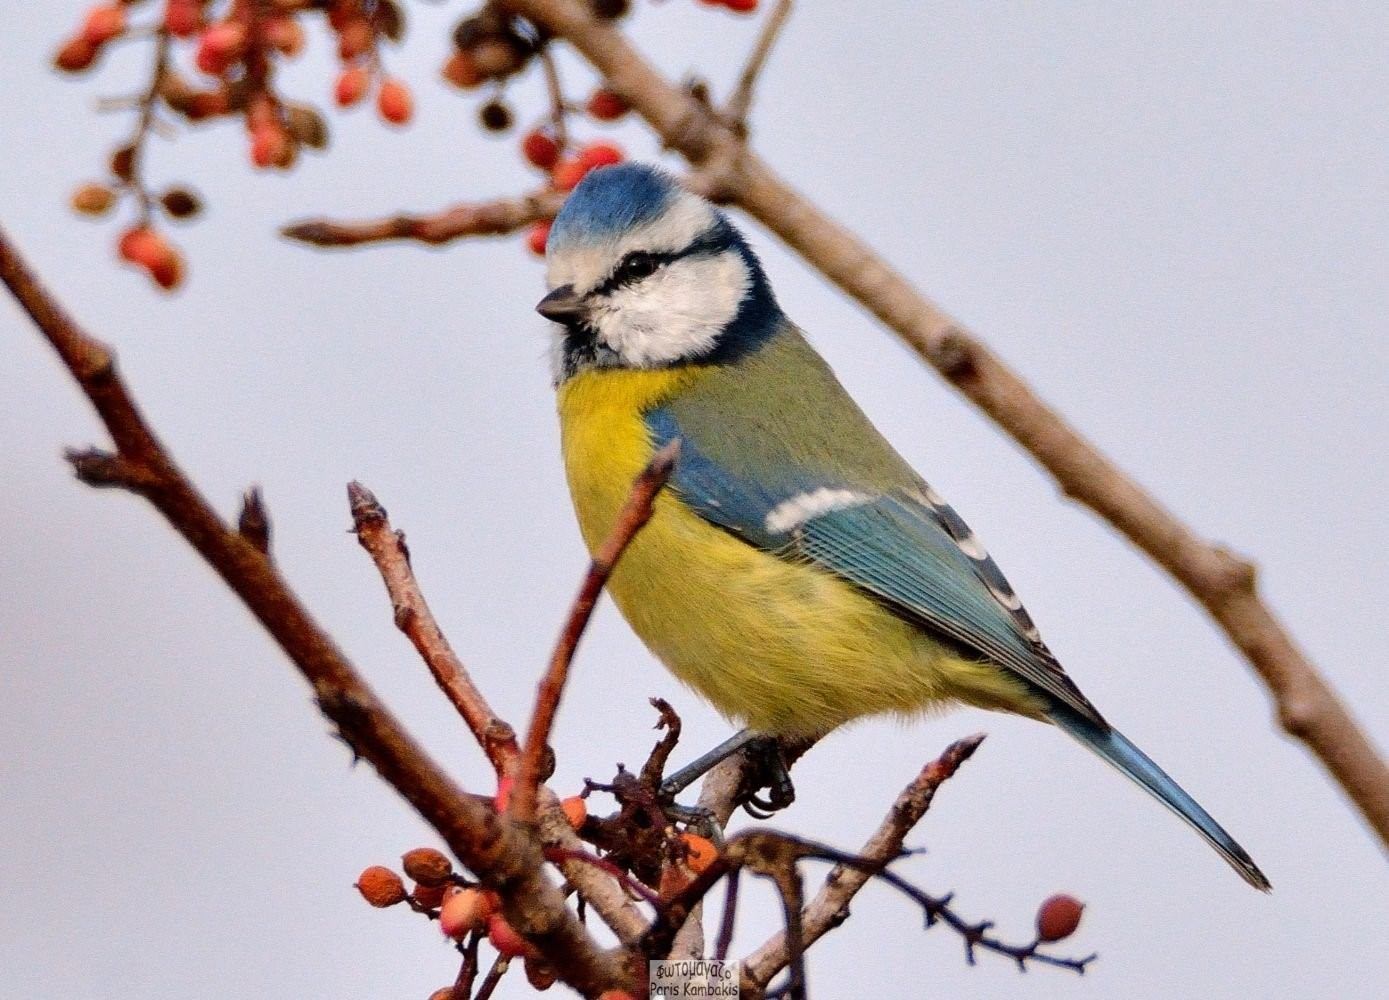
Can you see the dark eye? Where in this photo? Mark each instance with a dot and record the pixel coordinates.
(636, 265)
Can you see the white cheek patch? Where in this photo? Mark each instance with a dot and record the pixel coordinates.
(676, 313)
(803, 507)
(586, 266)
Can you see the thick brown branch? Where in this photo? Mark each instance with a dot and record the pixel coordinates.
(634, 514)
(1307, 707)
(830, 907)
(501, 852)
(413, 617)
(492, 218)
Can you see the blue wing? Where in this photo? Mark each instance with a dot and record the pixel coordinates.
(906, 547)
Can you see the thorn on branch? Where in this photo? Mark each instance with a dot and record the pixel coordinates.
(254, 521)
(109, 470)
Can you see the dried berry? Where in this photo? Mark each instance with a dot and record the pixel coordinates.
(285, 34)
(539, 973)
(611, 10)
(429, 896)
(306, 126)
(700, 852)
(540, 149)
(394, 102)
(606, 106)
(380, 886)
(355, 38)
(461, 71)
(123, 162)
(575, 808)
(1058, 917)
(495, 116)
(270, 145)
(93, 199)
(181, 203)
(427, 866)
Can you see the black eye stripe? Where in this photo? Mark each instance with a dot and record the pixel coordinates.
(706, 244)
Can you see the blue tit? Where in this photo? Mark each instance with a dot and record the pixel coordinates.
(797, 572)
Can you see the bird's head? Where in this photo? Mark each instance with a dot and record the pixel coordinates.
(644, 274)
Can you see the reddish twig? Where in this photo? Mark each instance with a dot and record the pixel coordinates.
(413, 617)
(634, 514)
(493, 218)
(502, 852)
(1222, 582)
(564, 855)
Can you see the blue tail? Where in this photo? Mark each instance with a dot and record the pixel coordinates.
(1118, 751)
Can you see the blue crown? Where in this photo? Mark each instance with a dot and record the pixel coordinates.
(610, 201)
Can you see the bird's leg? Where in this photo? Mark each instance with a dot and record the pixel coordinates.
(769, 771)
(698, 768)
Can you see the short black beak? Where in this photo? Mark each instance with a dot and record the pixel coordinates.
(561, 305)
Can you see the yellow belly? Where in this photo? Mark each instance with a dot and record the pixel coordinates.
(783, 647)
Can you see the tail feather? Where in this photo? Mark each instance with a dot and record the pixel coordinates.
(1112, 746)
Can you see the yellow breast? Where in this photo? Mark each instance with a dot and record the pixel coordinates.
(784, 647)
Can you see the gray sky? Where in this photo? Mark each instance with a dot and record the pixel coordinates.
(1171, 218)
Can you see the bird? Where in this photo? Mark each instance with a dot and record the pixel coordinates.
(796, 572)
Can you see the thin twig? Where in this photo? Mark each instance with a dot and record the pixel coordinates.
(493, 977)
(634, 514)
(1222, 582)
(414, 618)
(502, 852)
(735, 112)
(830, 906)
(493, 218)
(467, 972)
(559, 108)
(565, 855)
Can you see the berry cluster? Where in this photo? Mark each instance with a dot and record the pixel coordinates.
(469, 913)
(218, 59)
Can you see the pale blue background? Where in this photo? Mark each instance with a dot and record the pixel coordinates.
(1170, 217)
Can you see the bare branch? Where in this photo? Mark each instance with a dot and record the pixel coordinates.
(740, 103)
(634, 514)
(1223, 583)
(501, 852)
(414, 618)
(492, 218)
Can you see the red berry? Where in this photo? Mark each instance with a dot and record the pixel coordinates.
(394, 102)
(540, 149)
(606, 106)
(575, 808)
(140, 245)
(183, 18)
(75, 55)
(465, 910)
(505, 938)
(220, 46)
(741, 6)
(600, 154)
(536, 238)
(700, 852)
(103, 23)
(351, 86)
(567, 174)
(1058, 917)
(269, 145)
